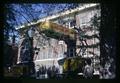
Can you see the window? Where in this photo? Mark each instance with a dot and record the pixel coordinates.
(72, 23)
(71, 52)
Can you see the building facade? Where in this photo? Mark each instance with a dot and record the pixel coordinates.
(47, 51)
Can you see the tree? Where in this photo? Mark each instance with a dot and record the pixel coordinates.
(107, 33)
(9, 31)
(10, 19)
(22, 14)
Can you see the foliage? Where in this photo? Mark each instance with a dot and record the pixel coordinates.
(76, 64)
(7, 55)
(52, 33)
(65, 66)
(95, 22)
(108, 33)
(10, 21)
